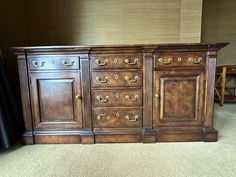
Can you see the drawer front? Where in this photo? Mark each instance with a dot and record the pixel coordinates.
(231, 70)
(117, 79)
(116, 61)
(117, 97)
(53, 62)
(117, 118)
(179, 59)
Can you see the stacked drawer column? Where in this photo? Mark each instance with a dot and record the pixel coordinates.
(117, 96)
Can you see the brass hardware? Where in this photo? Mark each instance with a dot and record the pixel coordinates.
(117, 115)
(127, 61)
(157, 99)
(169, 61)
(199, 59)
(106, 61)
(103, 116)
(103, 100)
(116, 60)
(65, 63)
(78, 100)
(117, 95)
(131, 80)
(35, 63)
(116, 76)
(134, 119)
(102, 81)
(179, 59)
(134, 98)
(78, 97)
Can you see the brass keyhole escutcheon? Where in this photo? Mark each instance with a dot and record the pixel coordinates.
(117, 115)
(78, 100)
(116, 76)
(117, 95)
(116, 60)
(179, 59)
(156, 99)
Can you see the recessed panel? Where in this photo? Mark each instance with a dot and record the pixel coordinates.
(179, 98)
(56, 100)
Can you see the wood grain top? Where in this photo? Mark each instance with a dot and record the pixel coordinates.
(94, 48)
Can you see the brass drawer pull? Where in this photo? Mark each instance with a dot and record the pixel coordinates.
(134, 98)
(102, 81)
(162, 61)
(106, 61)
(103, 100)
(36, 64)
(127, 61)
(65, 63)
(134, 119)
(103, 116)
(156, 99)
(199, 59)
(131, 80)
(78, 100)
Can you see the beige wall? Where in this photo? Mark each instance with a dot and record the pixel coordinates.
(114, 21)
(219, 25)
(67, 22)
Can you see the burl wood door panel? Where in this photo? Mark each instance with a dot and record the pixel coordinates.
(131, 97)
(117, 117)
(56, 100)
(178, 98)
(117, 79)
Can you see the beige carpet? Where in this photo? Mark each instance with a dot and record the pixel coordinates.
(130, 160)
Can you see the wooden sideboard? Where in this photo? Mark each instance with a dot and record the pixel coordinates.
(118, 93)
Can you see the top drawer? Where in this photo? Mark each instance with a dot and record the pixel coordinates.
(49, 62)
(116, 61)
(179, 59)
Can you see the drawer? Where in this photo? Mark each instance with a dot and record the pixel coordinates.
(131, 97)
(117, 79)
(179, 59)
(50, 62)
(116, 61)
(117, 117)
(231, 70)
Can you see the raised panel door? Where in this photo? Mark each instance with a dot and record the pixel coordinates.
(178, 97)
(56, 100)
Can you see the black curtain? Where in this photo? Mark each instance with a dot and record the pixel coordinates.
(11, 126)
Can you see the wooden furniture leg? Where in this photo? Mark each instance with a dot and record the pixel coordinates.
(222, 91)
(235, 86)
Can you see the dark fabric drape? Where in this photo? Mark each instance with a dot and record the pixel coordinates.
(10, 122)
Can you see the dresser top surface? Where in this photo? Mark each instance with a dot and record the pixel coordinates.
(154, 47)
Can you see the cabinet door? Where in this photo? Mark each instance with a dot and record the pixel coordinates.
(178, 97)
(56, 100)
